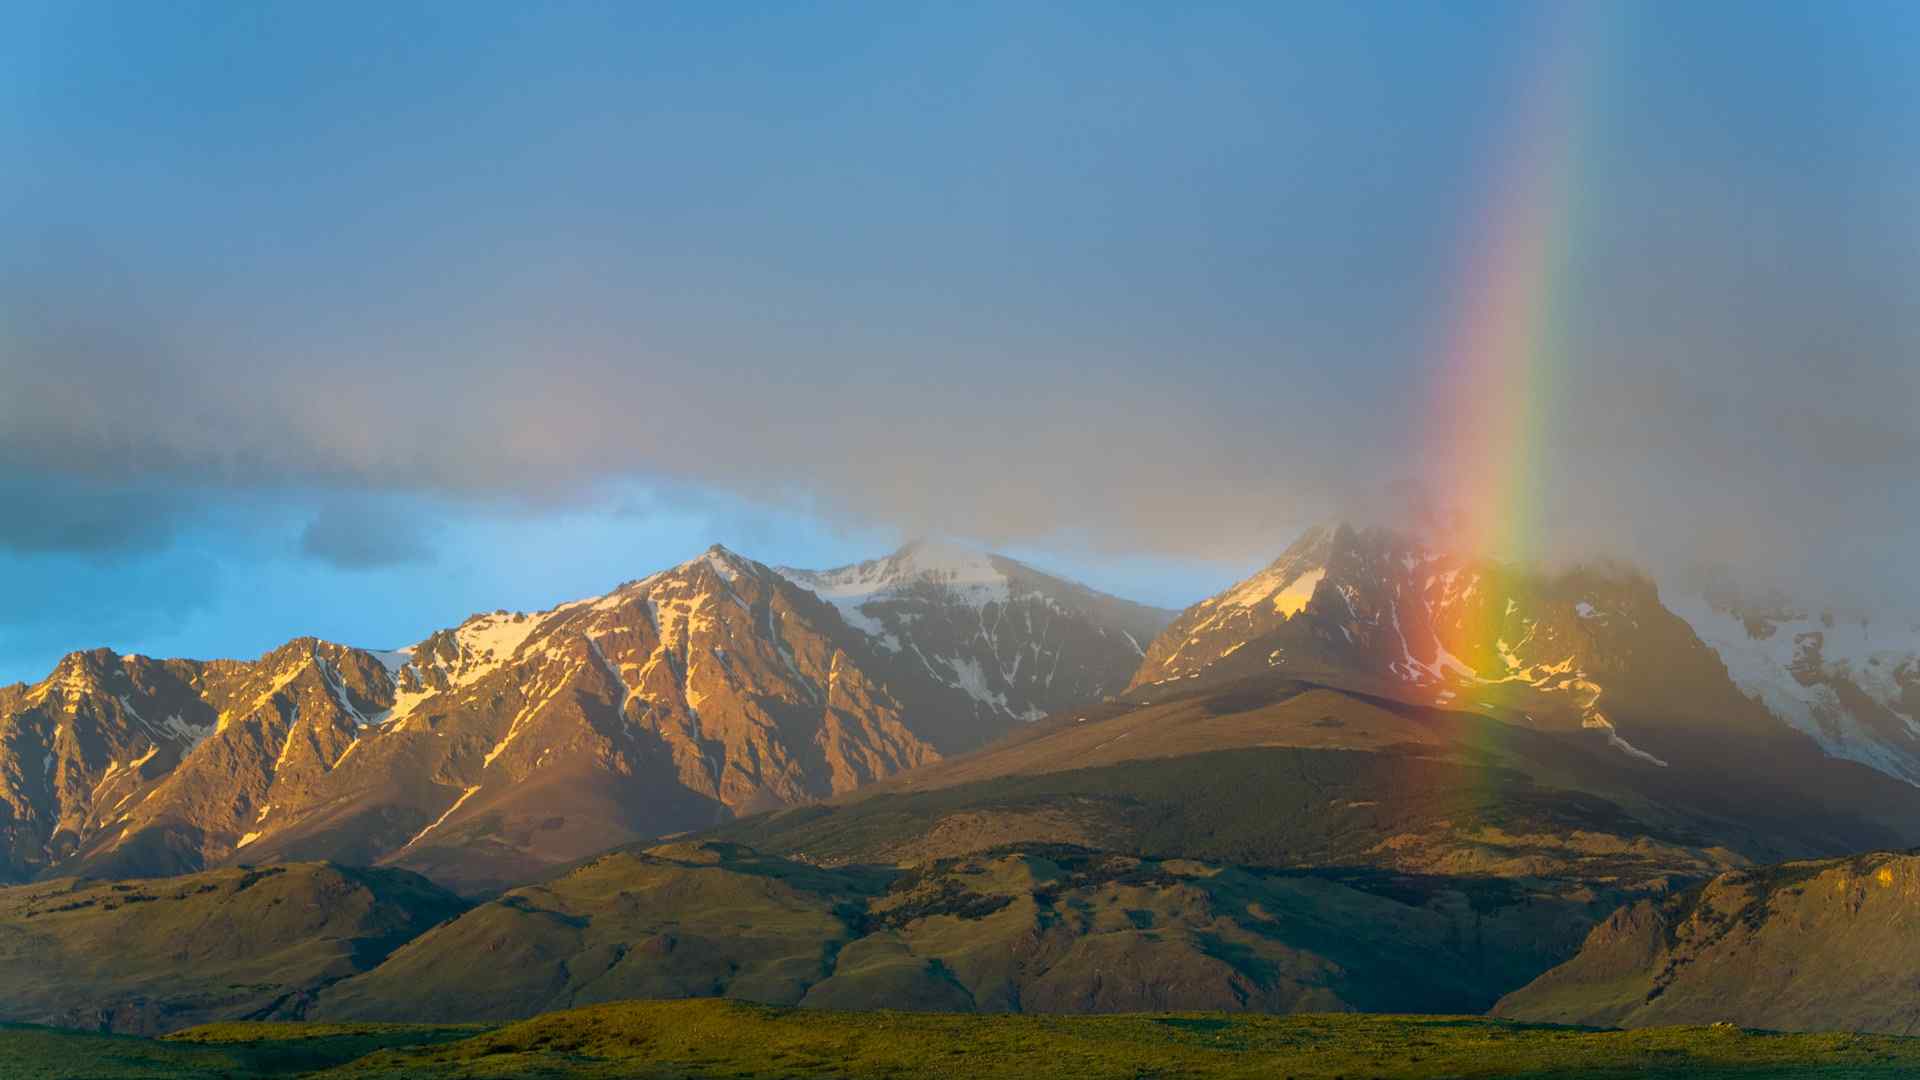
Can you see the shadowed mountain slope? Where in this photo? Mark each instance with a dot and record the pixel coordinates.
(1048, 929)
(1269, 770)
(160, 954)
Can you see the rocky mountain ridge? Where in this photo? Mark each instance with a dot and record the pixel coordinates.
(1597, 647)
(518, 740)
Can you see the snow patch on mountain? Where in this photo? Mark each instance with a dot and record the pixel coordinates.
(392, 659)
(969, 578)
(1793, 663)
(191, 735)
(495, 638)
(457, 803)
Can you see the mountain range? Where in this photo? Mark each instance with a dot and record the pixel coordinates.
(517, 741)
(1376, 774)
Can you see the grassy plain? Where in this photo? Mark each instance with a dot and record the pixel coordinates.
(712, 1039)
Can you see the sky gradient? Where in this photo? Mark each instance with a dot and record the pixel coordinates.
(352, 319)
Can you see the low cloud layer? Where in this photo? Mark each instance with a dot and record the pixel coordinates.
(1173, 314)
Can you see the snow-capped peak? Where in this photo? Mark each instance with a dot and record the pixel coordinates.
(969, 573)
(724, 562)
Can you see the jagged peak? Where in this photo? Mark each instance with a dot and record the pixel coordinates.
(86, 660)
(718, 558)
(79, 672)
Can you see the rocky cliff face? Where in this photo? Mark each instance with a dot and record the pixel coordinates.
(86, 753)
(1809, 946)
(713, 688)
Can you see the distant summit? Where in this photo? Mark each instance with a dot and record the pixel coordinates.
(1016, 642)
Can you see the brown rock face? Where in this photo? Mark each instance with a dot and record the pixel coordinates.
(1812, 946)
(515, 741)
(673, 702)
(116, 758)
(490, 750)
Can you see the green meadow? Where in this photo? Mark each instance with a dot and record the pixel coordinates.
(714, 1039)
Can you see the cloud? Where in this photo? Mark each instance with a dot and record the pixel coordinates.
(1737, 454)
(364, 536)
(51, 513)
(1177, 315)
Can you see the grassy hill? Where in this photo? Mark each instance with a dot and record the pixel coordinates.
(159, 954)
(694, 1040)
(684, 920)
(1045, 928)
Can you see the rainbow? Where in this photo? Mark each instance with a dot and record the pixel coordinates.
(1488, 422)
(1485, 452)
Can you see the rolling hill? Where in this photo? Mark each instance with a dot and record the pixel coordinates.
(1023, 928)
(160, 954)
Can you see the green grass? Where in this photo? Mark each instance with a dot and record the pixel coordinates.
(709, 1040)
(215, 1052)
(160, 954)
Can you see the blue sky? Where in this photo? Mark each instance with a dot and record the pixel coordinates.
(246, 575)
(354, 318)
